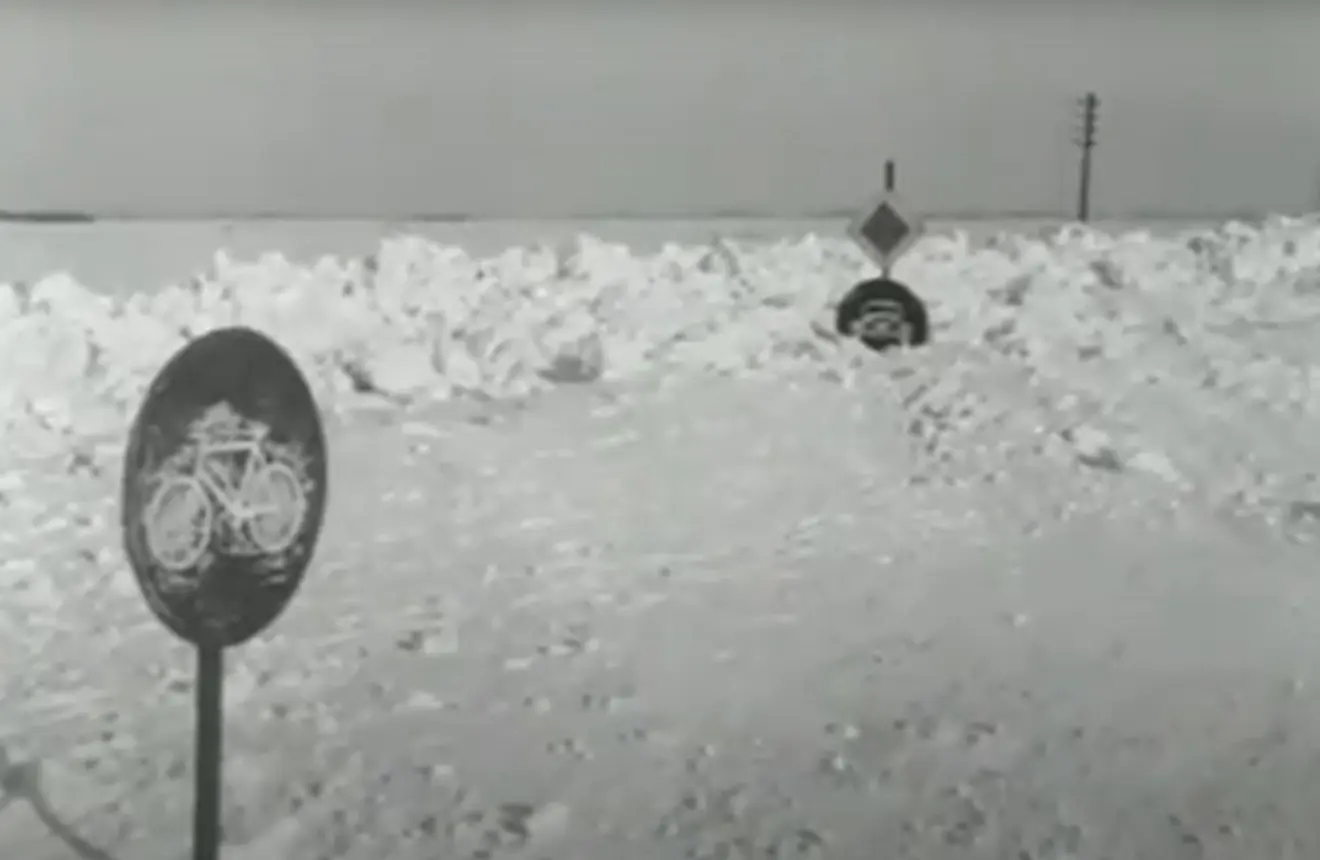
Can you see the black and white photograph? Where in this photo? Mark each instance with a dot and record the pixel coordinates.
(604, 430)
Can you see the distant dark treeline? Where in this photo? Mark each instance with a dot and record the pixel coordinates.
(48, 217)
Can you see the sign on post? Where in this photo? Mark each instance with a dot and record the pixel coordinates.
(222, 501)
(886, 230)
(881, 312)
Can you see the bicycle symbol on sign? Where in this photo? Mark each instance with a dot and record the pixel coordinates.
(234, 497)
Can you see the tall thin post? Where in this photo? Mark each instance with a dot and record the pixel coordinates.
(889, 176)
(208, 752)
(1086, 141)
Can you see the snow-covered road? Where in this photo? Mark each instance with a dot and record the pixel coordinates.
(1044, 590)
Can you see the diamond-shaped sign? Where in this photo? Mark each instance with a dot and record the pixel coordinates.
(886, 230)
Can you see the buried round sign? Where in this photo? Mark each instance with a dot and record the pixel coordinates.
(224, 487)
(883, 314)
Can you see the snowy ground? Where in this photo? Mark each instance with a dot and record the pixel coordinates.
(1043, 591)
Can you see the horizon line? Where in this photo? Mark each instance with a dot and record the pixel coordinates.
(73, 217)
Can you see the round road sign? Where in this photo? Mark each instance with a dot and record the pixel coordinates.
(224, 487)
(882, 314)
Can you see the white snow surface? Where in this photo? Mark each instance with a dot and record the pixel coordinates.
(628, 558)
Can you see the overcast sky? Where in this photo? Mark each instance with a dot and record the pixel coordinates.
(636, 108)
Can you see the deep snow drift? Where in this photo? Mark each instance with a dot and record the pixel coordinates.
(691, 578)
(1102, 326)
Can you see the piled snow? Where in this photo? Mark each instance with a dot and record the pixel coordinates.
(1008, 641)
(1087, 320)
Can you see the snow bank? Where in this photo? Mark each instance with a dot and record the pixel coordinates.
(417, 320)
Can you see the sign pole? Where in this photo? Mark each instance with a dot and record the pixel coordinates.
(208, 752)
(890, 182)
(1086, 141)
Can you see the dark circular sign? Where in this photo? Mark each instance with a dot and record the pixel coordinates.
(883, 314)
(224, 487)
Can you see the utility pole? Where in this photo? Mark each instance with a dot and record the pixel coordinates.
(1086, 141)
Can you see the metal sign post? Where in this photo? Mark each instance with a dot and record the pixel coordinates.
(208, 751)
(1085, 141)
(221, 504)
